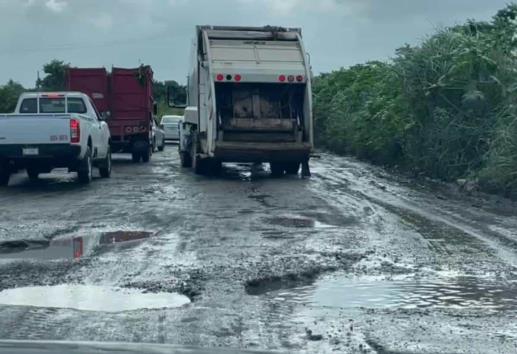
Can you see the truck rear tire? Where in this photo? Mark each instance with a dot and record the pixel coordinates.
(186, 159)
(277, 169)
(105, 166)
(146, 155)
(292, 168)
(135, 157)
(84, 172)
(5, 174)
(199, 165)
(33, 174)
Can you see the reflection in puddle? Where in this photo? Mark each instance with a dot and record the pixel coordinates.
(90, 298)
(466, 292)
(68, 248)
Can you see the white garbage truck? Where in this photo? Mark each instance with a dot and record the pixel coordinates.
(249, 99)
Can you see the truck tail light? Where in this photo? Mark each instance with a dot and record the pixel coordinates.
(281, 78)
(237, 77)
(299, 78)
(75, 131)
(290, 78)
(220, 77)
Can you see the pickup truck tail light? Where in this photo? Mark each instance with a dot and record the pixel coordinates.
(75, 131)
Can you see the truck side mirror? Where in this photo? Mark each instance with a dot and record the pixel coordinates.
(171, 98)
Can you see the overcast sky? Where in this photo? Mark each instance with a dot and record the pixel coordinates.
(91, 33)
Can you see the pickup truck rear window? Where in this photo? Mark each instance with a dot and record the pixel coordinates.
(57, 105)
(52, 105)
(76, 105)
(29, 105)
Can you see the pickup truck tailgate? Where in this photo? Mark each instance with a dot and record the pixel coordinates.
(34, 129)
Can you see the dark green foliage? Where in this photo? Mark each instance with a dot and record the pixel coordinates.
(9, 94)
(55, 76)
(444, 108)
(160, 96)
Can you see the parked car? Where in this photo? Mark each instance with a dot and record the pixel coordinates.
(54, 130)
(171, 127)
(158, 137)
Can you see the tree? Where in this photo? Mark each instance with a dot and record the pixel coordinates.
(160, 95)
(55, 78)
(9, 94)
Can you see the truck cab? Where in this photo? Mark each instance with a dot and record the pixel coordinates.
(249, 100)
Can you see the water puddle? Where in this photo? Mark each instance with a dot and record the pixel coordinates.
(68, 248)
(342, 292)
(90, 298)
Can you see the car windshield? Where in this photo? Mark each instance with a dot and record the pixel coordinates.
(287, 176)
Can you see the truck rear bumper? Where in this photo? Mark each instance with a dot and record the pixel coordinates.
(262, 152)
(55, 155)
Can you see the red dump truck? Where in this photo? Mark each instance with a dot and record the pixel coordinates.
(124, 98)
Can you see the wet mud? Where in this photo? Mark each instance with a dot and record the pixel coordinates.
(354, 259)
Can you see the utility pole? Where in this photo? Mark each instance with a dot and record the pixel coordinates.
(38, 82)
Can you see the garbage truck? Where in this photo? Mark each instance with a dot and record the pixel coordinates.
(249, 99)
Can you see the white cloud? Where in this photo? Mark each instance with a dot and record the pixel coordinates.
(287, 8)
(56, 6)
(103, 21)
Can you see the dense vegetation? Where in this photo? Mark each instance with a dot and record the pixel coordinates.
(54, 79)
(445, 108)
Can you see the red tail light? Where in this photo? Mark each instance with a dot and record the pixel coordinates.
(281, 78)
(237, 77)
(299, 78)
(220, 77)
(78, 247)
(75, 131)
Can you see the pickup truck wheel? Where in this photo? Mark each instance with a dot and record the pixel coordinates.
(105, 167)
(5, 174)
(162, 146)
(84, 173)
(33, 174)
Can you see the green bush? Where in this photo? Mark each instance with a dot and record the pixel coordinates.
(443, 108)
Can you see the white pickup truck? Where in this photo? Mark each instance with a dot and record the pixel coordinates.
(54, 130)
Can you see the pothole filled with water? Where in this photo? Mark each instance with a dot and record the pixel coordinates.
(344, 292)
(70, 247)
(90, 298)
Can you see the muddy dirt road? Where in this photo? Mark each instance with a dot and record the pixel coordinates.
(351, 260)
